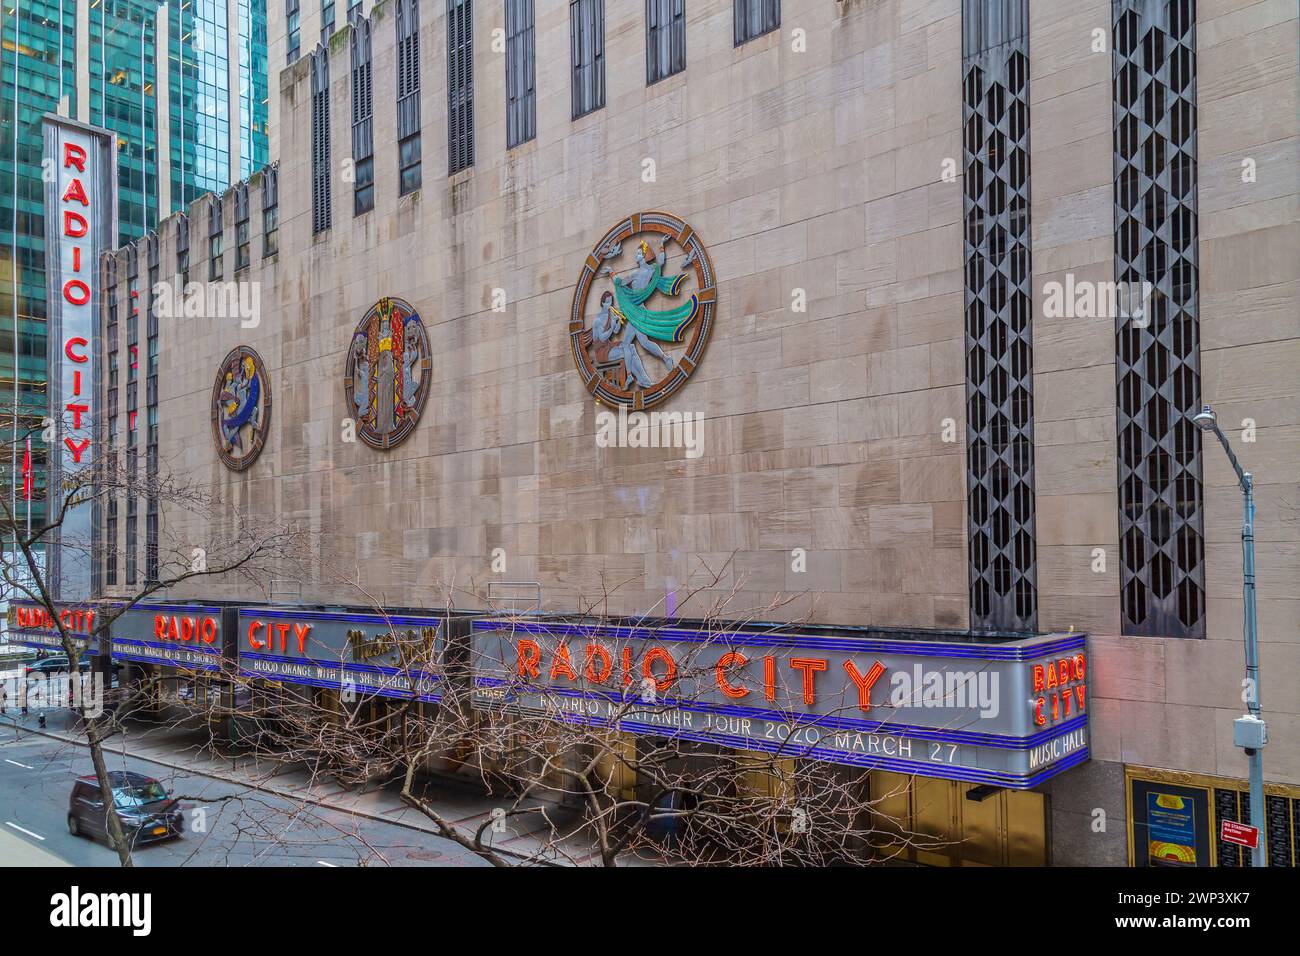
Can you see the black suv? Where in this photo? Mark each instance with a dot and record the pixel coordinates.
(142, 804)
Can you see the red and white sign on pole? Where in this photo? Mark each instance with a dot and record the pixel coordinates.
(80, 224)
(1242, 834)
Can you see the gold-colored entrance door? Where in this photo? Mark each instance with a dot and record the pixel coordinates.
(938, 823)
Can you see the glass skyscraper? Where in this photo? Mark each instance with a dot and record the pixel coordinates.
(183, 84)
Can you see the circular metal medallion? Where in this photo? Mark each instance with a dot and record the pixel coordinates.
(642, 310)
(241, 408)
(389, 371)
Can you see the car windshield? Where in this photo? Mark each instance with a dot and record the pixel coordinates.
(127, 797)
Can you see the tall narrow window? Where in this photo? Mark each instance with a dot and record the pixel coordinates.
(151, 402)
(363, 123)
(1162, 548)
(521, 70)
(270, 211)
(753, 18)
(408, 96)
(293, 29)
(110, 531)
(587, 45)
(320, 140)
(132, 513)
(326, 19)
(665, 39)
(998, 300)
(151, 513)
(215, 240)
(354, 11)
(460, 85)
(183, 249)
(243, 243)
(132, 407)
(110, 462)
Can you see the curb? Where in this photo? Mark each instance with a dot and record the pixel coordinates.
(266, 789)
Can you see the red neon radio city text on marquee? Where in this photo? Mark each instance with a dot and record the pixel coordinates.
(76, 620)
(1061, 689)
(270, 636)
(657, 664)
(185, 630)
(76, 292)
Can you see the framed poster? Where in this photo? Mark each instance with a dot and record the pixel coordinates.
(1169, 824)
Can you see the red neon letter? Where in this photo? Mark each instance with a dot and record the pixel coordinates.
(595, 651)
(647, 667)
(528, 656)
(720, 675)
(74, 193)
(74, 155)
(864, 682)
(561, 665)
(256, 643)
(809, 666)
(67, 349)
(74, 224)
(81, 290)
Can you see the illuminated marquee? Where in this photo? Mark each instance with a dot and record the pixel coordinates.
(33, 625)
(1061, 689)
(387, 655)
(933, 704)
(178, 635)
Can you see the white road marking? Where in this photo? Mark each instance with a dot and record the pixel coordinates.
(17, 764)
(321, 862)
(28, 832)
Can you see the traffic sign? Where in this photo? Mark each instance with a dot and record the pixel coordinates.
(1241, 834)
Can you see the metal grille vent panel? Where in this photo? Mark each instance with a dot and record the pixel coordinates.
(1162, 549)
(460, 85)
(320, 140)
(999, 305)
(362, 91)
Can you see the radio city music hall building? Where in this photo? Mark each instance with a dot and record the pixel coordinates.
(875, 245)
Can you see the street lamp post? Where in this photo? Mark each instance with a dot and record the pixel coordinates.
(1249, 731)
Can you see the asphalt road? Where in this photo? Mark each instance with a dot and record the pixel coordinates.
(239, 827)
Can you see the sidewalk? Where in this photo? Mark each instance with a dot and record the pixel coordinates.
(15, 851)
(185, 750)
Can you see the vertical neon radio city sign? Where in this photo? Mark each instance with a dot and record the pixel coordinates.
(80, 224)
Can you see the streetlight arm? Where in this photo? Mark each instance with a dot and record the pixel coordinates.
(1236, 465)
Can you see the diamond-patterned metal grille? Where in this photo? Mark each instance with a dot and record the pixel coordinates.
(320, 140)
(999, 299)
(1162, 549)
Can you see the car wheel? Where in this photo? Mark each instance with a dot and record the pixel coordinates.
(73, 827)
